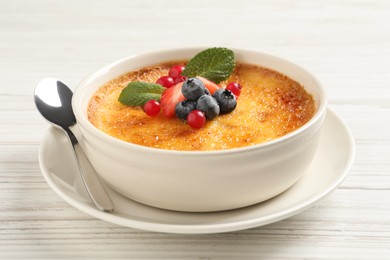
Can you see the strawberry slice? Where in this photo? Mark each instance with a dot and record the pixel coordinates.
(211, 86)
(169, 99)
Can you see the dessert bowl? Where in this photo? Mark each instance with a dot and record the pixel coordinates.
(199, 181)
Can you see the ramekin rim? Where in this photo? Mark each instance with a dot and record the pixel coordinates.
(88, 126)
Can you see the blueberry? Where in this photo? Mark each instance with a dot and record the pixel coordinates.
(183, 108)
(226, 100)
(193, 88)
(208, 105)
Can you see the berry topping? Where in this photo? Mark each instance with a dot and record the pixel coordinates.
(176, 71)
(169, 99)
(180, 79)
(193, 88)
(184, 108)
(196, 119)
(166, 81)
(152, 107)
(226, 100)
(182, 92)
(211, 86)
(235, 88)
(208, 105)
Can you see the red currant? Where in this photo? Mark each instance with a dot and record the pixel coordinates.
(152, 107)
(180, 79)
(176, 71)
(235, 88)
(166, 81)
(196, 119)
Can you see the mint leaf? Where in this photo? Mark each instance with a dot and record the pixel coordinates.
(138, 93)
(215, 64)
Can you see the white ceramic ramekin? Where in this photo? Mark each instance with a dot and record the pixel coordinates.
(199, 181)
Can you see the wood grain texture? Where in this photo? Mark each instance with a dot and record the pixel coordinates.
(345, 43)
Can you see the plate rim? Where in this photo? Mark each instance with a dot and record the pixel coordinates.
(205, 228)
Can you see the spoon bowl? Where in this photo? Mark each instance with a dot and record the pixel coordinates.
(53, 100)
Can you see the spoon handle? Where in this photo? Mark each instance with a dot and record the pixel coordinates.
(92, 183)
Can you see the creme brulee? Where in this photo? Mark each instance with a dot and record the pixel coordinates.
(270, 106)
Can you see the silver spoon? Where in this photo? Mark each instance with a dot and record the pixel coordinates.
(53, 100)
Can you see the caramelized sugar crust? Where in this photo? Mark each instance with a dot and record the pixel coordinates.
(270, 106)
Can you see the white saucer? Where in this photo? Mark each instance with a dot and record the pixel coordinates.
(330, 166)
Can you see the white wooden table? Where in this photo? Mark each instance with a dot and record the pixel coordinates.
(345, 43)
